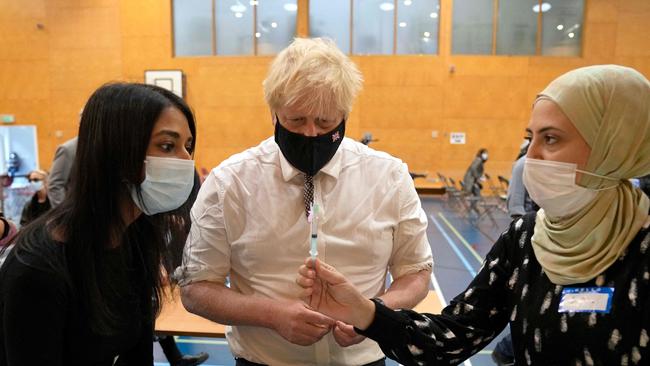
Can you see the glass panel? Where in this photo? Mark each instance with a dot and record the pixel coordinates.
(417, 26)
(276, 25)
(562, 27)
(192, 27)
(373, 27)
(331, 18)
(234, 20)
(472, 27)
(517, 29)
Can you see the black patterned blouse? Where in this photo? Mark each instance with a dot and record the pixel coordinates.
(512, 287)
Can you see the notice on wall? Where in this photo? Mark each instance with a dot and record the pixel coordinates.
(457, 138)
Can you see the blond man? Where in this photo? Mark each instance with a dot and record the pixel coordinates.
(250, 222)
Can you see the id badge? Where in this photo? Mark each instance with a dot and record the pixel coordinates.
(586, 300)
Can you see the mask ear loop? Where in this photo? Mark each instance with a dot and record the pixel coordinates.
(617, 180)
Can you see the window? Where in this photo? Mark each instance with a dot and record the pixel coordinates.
(193, 27)
(377, 27)
(372, 27)
(233, 27)
(472, 27)
(417, 27)
(562, 28)
(517, 27)
(276, 25)
(331, 18)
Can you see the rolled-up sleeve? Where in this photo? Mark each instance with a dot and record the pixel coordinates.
(206, 256)
(411, 250)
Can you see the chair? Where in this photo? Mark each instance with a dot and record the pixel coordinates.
(454, 197)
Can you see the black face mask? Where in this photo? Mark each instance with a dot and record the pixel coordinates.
(308, 154)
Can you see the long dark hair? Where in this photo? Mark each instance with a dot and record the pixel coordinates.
(114, 133)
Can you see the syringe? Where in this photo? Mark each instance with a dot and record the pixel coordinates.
(313, 219)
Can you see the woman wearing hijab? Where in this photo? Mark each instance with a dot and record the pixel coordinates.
(573, 280)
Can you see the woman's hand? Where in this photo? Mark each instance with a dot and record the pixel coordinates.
(329, 292)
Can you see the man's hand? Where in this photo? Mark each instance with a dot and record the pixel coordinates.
(299, 324)
(345, 335)
(329, 292)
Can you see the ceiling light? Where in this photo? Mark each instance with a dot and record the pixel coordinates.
(253, 2)
(434, 15)
(402, 24)
(560, 27)
(290, 7)
(408, 2)
(274, 25)
(238, 8)
(545, 7)
(427, 34)
(238, 15)
(571, 35)
(258, 35)
(387, 6)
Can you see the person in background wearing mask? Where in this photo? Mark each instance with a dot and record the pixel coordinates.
(572, 280)
(253, 215)
(474, 174)
(473, 177)
(87, 275)
(40, 203)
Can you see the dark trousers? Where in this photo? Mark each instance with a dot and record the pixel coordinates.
(244, 362)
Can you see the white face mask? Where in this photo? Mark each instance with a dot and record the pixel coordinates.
(37, 185)
(484, 156)
(167, 185)
(551, 184)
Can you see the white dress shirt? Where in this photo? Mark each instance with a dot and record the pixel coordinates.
(249, 223)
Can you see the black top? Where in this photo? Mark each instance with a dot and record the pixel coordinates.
(34, 209)
(512, 287)
(42, 322)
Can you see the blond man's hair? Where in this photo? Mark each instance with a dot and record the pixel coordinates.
(314, 75)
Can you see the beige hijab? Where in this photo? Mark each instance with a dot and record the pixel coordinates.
(610, 107)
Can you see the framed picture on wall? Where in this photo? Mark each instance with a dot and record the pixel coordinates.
(172, 80)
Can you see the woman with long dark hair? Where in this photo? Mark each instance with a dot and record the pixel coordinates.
(86, 277)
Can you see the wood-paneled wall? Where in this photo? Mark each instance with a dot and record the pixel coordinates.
(54, 53)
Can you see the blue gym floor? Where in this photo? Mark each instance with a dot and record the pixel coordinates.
(458, 250)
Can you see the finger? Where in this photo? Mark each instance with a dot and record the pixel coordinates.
(304, 282)
(338, 334)
(315, 317)
(306, 292)
(304, 271)
(309, 262)
(329, 273)
(315, 331)
(346, 329)
(341, 338)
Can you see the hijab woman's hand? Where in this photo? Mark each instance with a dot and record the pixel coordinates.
(329, 292)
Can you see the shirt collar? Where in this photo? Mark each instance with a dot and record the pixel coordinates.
(332, 168)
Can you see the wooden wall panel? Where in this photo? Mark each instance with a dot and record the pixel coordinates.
(47, 74)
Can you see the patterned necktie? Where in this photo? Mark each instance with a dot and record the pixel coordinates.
(309, 192)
